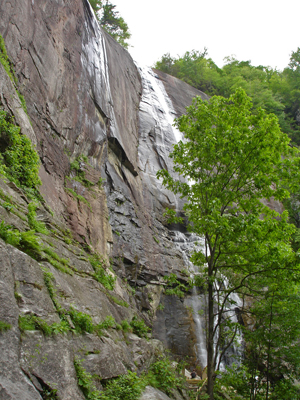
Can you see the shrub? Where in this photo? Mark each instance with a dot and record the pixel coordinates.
(83, 322)
(163, 375)
(30, 244)
(38, 226)
(9, 235)
(125, 387)
(139, 327)
(85, 382)
(32, 322)
(20, 162)
(126, 326)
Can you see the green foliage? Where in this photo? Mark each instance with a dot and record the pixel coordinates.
(233, 159)
(48, 279)
(110, 20)
(32, 322)
(19, 162)
(107, 280)
(4, 326)
(139, 327)
(85, 381)
(130, 387)
(164, 376)
(83, 322)
(272, 345)
(174, 287)
(25, 241)
(10, 71)
(125, 387)
(122, 303)
(155, 238)
(126, 327)
(5, 61)
(38, 226)
(9, 235)
(77, 168)
(49, 394)
(79, 197)
(240, 383)
(29, 243)
(58, 262)
(277, 92)
(109, 322)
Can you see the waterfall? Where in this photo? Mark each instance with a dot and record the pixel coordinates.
(235, 352)
(187, 244)
(156, 104)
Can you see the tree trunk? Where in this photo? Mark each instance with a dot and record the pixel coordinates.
(210, 343)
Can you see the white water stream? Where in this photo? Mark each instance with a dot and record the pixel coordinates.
(158, 105)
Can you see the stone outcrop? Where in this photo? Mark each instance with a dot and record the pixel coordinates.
(90, 104)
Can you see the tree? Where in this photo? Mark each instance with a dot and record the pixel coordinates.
(275, 91)
(96, 5)
(273, 340)
(232, 159)
(110, 20)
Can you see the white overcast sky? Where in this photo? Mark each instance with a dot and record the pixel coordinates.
(263, 31)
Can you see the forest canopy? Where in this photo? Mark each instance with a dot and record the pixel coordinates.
(276, 91)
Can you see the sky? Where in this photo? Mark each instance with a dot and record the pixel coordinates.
(263, 31)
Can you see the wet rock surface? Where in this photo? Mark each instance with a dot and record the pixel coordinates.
(88, 103)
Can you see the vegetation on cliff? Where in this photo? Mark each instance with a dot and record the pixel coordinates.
(19, 161)
(110, 20)
(275, 91)
(233, 158)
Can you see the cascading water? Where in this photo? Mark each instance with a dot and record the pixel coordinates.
(187, 244)
(157, 104)
(234, 353)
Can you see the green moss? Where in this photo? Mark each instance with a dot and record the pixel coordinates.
(4, 326)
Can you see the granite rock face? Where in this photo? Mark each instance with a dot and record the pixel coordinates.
(92, 113)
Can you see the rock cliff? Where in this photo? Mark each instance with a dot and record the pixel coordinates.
(102, 127)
